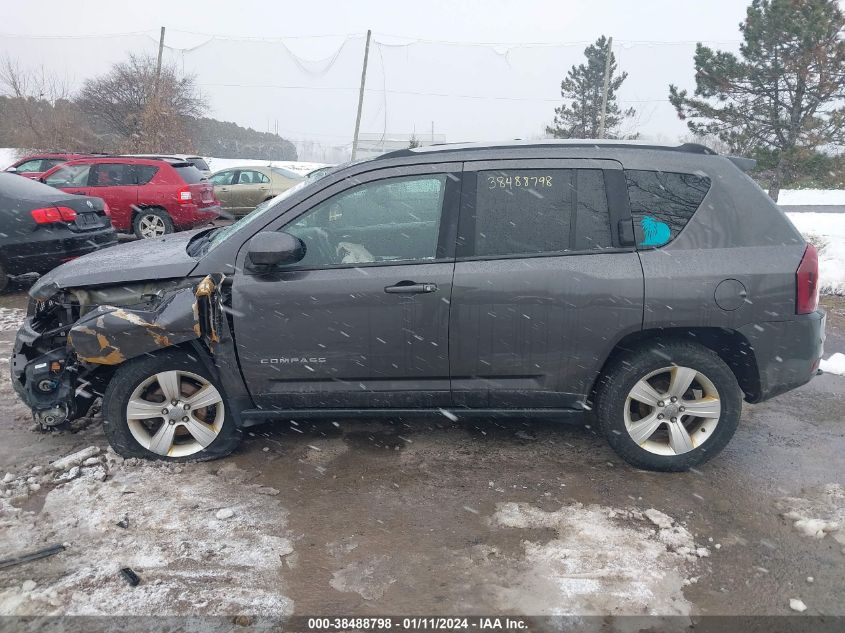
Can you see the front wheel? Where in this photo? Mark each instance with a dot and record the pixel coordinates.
(169, 407)
(668, 406)
(150, 223)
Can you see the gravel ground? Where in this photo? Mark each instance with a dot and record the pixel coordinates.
(448, 517)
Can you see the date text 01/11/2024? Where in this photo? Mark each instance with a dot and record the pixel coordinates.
(418, 623)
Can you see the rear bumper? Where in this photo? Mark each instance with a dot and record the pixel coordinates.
(42, 253)
(190, 216)
(787, 352)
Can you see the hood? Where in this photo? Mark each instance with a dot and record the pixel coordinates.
(159, 258)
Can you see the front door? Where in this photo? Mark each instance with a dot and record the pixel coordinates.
(543, 286)
(362, 321)
(223, 182)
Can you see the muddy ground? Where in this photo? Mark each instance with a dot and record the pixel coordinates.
(447, 517)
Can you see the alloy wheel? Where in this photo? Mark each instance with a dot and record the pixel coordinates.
(175, 413)
(151, 226)
(672, 410)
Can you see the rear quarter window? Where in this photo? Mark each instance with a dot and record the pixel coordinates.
(190, 174)
(144, 173)
(663, 202)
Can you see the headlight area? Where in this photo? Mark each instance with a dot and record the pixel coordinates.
(66, 351)
(45, 373)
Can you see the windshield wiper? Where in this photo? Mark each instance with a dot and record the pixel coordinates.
(197, 245)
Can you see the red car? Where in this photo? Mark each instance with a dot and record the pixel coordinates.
(147, 196)
(37, 165)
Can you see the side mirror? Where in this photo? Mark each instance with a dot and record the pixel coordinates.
(272, 248)
(12, 170)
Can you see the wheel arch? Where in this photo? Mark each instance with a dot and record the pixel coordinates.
(730, 345)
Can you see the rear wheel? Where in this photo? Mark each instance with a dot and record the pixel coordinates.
(150, 223)
(668, 406)
(167, 406)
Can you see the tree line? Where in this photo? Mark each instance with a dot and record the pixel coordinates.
(136, 107)
(780, 100)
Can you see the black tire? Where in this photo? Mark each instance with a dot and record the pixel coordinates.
(144, 214)
(626, 370)
(136, 371)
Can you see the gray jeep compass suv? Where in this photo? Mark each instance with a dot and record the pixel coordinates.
(656, 287)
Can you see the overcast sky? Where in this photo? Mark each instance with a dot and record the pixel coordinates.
(307, 86)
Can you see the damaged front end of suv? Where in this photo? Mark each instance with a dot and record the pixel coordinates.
(73, 338)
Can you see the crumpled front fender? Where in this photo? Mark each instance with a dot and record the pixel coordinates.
(110, 335)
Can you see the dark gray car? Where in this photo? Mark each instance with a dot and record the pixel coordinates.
(655, 286)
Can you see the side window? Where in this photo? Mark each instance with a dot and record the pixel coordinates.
(49, 163)
(260, 178)
(663, 202)
(144, 173)
(69, 176)
(32, 165)
(250, 177)
(391, 220)
(223, 178)
(537, 211)
(110, 175)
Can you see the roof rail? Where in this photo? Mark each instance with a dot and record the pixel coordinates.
(689, 148)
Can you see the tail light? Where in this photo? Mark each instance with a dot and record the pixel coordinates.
(184, 196)
(106, 209)
(807, 282)
(51, 215)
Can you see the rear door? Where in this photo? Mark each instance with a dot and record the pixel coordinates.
(362, 321)
(249, 190)
(116, 183)
(544, 283)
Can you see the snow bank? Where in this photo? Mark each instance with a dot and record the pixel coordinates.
(827, 232)
(299, 167)
(810, 197)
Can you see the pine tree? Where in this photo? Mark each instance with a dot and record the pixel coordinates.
(582, 88)
(783, 95)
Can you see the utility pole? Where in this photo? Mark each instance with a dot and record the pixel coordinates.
(432, 132)
(160, 51)
(361, 95)
(606, 86)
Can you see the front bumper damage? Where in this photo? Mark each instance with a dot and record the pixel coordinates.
(68, 345)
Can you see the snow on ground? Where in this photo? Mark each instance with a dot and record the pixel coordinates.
(601, 560)
(811, 197)
(8, 155)
(188, 559)
(827, 232)
(299, 167)
(818, 513)
(11, 319)
(834, 365)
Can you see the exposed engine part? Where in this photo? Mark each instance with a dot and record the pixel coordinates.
(52, 417)
(67, 339)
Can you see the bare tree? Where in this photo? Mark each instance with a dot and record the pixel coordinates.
(39, 109)
(145, 113)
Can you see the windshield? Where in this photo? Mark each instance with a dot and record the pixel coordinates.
(220, 235)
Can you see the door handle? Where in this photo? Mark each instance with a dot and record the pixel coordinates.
(410, 287)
